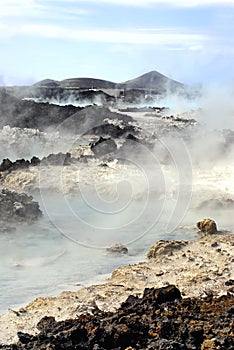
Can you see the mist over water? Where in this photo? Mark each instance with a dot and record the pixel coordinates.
(157, 192)
(62, 252)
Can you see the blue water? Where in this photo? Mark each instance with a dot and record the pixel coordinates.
(65, 250)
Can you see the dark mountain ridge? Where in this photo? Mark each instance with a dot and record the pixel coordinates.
(150, 80)
(146, 87)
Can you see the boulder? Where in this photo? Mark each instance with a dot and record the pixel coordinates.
(165, 248)
(6, 164)
(57, 159)
(207, 226)
(162, 295)
(35, 161)
(103, 146)
(117, 248)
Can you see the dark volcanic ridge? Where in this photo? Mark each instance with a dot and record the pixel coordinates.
(145, 88)
(153, 80)
(29, 114)
(161, 319)
(150, 80)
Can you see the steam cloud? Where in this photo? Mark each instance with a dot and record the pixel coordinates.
(149, 189)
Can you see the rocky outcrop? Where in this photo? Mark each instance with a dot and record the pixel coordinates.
(8, 165)
(84, 120)
(66, 95)
(161, 319)
(51, 159)
(103, 147)
(162, 247)
(136, 146)
(58, 159)
(18, 207)
(207, 226)
(112, 130)
(29, 114)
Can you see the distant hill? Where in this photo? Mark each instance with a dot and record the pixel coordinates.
(82, 83)
(151, 80)
(87, 83)
(47, 83)
(95, 91)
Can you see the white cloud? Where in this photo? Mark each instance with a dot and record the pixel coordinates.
(161, 37)
(144, 3)
(13, 8)
(177, 3)
(39, 9)
(196, 48)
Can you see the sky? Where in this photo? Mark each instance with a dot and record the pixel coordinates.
(191, 41)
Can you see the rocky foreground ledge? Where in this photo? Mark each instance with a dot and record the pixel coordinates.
(182, 297)
(161, 319)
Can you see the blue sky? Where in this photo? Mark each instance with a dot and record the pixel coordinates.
(190, 41)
